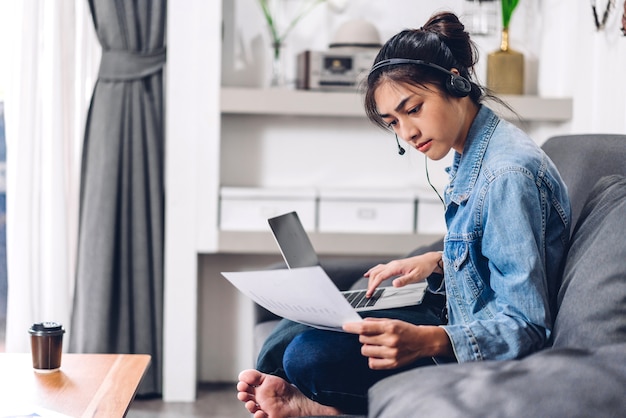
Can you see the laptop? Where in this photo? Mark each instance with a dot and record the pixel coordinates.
(297, 251)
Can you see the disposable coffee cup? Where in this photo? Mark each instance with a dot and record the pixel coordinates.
(46, 343)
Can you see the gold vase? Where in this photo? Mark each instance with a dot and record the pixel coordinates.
(505, 68)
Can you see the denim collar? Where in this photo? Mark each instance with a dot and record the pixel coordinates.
(465, 167)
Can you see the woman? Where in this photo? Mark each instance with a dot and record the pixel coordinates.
(508, 220)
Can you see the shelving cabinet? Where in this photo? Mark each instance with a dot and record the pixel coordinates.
(245, 101)
(285, 102)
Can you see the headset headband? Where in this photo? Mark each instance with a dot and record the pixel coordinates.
(457, 85)
(400, 61)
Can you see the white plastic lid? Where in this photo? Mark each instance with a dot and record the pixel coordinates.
(357, 33)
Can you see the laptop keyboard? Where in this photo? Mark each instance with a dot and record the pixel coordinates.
(358, 300)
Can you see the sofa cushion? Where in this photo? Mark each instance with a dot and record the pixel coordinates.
(560, 382)
(592, 298)
(582, 159)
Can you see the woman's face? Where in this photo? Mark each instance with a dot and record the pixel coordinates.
(425, 118)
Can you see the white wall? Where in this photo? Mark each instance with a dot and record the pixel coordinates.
(577, 61)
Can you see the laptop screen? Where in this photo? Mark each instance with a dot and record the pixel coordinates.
(293, 241)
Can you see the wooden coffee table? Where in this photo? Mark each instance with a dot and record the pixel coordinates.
(88, 385)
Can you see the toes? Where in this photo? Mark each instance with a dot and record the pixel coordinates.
(260, 414)
(246, 397)
(251, 377)
(244, 387)
(252, 406)
(249, 381)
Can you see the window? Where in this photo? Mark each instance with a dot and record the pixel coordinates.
(3, 229)
(4, 36)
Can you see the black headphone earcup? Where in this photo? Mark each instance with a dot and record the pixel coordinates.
(459, 86)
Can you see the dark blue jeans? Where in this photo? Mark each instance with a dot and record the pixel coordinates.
(328, 367)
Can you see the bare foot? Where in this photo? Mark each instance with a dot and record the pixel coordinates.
(268, 396)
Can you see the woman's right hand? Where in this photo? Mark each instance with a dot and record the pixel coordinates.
(409, 270)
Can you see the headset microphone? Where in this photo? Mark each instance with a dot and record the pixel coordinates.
(401, 150)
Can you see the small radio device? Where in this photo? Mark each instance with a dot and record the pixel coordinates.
(333, 71)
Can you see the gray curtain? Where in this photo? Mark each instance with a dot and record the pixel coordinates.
(118, 302)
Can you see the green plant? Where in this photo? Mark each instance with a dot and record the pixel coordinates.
(279, 37)
(507, 10)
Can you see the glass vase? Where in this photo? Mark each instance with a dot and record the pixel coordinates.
(278, 77)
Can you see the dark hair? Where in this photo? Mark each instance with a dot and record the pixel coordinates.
(442, 41)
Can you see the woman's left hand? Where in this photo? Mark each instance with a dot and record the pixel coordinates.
(409, 270)
(391, 343)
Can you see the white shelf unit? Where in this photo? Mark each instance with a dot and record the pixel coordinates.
(328, 243)
(247, 101)
(288, 102)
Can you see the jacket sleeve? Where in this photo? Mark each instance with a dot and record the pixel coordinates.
(508, 315)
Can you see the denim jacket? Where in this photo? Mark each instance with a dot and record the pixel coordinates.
(508, 219)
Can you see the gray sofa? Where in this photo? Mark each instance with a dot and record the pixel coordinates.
(583, 373)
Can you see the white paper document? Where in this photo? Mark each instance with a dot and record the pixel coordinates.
(306, 295)
(28, 411)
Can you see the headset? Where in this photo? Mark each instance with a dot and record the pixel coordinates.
(401, 150)
(457, 85)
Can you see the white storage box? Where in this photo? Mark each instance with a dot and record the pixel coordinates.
(430, 213)
(247, 209)
(366, 211)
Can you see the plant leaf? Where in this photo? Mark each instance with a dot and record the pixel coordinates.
(507, 10)
(278, 38)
